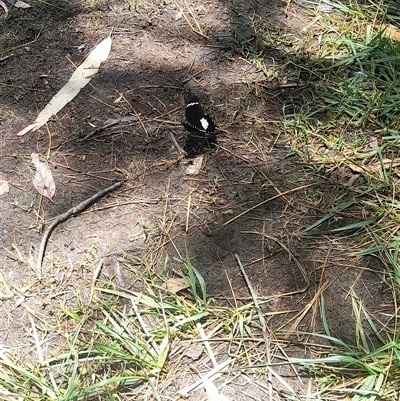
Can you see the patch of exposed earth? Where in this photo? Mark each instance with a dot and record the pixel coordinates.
(249, 198)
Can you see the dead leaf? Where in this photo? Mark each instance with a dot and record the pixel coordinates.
(195, 168)
(373, 142)
(2, 4)
(386, 164)
(79, 79)
(373, 168)
(21, 4)
(3, 185)
(194, 352)
(392, 32)
(357, 169)
(176, 284)
(43, 179)
(118, 99)
(352, 180)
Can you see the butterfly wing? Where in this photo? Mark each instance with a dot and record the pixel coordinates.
(196, 118)
(200, 126)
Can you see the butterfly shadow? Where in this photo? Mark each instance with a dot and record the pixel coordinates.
(199, 142)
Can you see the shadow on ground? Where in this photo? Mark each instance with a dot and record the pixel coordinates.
(162, 210)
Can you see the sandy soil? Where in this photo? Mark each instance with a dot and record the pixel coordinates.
(162, 210)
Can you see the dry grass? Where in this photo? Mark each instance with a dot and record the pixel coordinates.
(298, 313)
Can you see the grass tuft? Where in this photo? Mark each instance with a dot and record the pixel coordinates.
(120, 339)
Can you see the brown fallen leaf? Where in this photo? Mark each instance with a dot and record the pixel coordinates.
(194, 352)
(352, 180)
(391, 32)
(43, 179)
(374, 167)
(195, 168)
(176, 284)
(373, 143)
(3, 185)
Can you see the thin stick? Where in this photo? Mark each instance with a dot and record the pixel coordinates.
(65, 216)
(136, 114)
(96, 275)
(28, 43)
(195, 75)
(6, 57)
(266, 201)
(199, 32)
(291, 257)
(35, 336)
(176, 144)
(264, 326)
(188, 213)
(99, 129)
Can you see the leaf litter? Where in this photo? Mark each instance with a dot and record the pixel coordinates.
(79, 79)
(141, 156)
(43, 178)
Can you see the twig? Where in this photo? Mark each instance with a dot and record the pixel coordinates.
(35, 336)
(291, 257)
(264, 326)
(198, 31)
(47, 162)
(176, 144)
(65, 216)
(6, 57)
(141, 321)
(266, 201)
(188, 213)
(96, 276)
(28, 43)
(194, 75)
(136, 114)
(99, 129)
(295, 260)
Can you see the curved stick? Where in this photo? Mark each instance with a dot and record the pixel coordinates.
(65, 216)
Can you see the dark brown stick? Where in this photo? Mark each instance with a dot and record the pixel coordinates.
(176, 144)
(65, 216)
(99, 129)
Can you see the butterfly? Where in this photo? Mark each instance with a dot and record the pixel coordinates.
(200, 126)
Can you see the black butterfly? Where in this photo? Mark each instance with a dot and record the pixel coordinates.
(200, 126)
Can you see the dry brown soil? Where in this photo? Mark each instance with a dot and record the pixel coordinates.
(162, 210)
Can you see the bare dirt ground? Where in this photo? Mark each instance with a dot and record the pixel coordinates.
(162, 210)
